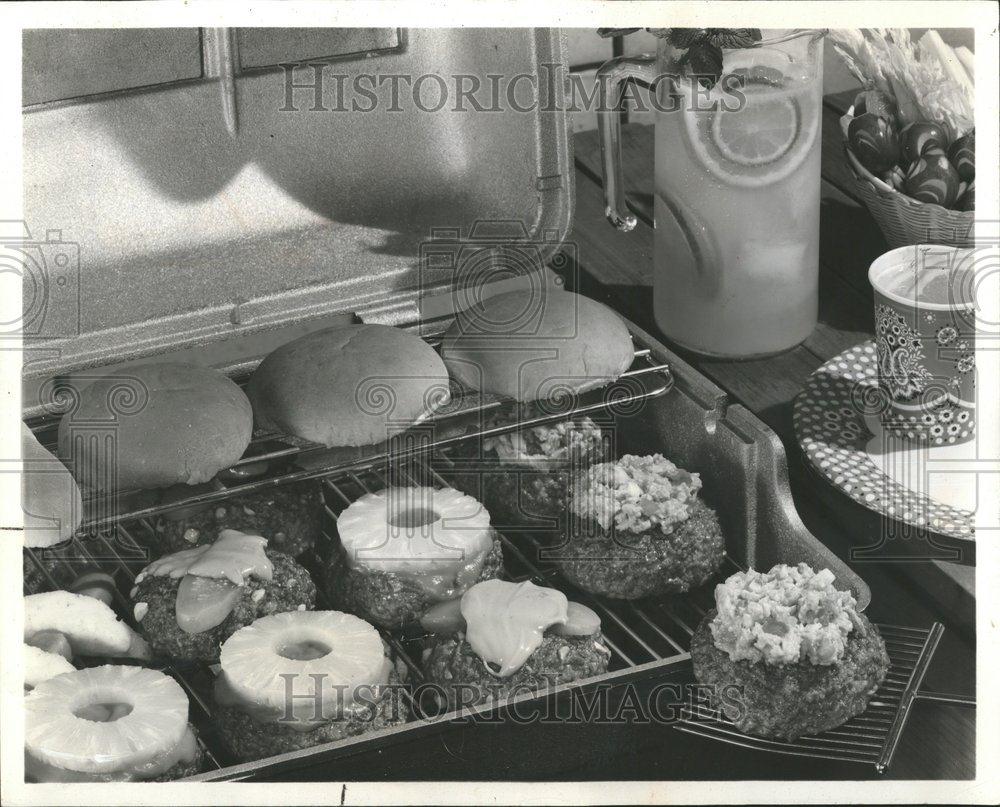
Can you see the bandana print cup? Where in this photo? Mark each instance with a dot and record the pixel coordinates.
(925, 341)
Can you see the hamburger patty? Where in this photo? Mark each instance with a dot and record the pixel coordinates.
(386, 598)
(523, 478)
(633, 566)
(177, 771)
(452, 664)
(250, 739)
(289, 588)
(516, 494)
(787, 701)
(181, 769)
(289, 516)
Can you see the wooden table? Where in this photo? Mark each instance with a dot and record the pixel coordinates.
(617, 267)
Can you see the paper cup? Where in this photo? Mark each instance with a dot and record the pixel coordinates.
(925, 339)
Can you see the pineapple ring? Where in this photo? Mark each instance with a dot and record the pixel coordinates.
(420, 531)
(155, 725)
(337, 655)
(41, 665)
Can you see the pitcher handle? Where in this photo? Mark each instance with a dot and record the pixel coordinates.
(609, 81)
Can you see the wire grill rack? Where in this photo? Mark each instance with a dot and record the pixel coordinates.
(656, 630)
(274, 459)
(636, 633)
(871, 737)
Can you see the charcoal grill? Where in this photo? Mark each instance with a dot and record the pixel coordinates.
(646, 637)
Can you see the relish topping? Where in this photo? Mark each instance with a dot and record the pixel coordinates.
(636, 494)
(783, 616)
(555, 441)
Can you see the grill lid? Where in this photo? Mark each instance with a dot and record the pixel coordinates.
(173, 216)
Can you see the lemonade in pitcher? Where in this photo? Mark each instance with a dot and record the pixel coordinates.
(737, 194)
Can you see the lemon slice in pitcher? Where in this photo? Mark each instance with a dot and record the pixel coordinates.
(769, 136)
(759, 135)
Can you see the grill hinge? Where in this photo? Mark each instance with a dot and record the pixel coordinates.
(398, 313)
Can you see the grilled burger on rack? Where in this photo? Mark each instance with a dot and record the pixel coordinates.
(403, 549)
(504, 639)
(345, 386)
(349, 385)
(542, 348)
(639, 528)
(109, 724)
(177, 426)
(537, 345)
(289, 516)
(189, 602)
(793, 648)
(171, 424)
(53, 510)
(523, 476)
(53, 507)
(336, 668)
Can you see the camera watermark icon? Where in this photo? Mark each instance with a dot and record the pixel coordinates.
(45, 273)
(522, 340)
(93, 412)
(493, 256)
(524, 474)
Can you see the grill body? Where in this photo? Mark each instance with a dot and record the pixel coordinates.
(662, 405)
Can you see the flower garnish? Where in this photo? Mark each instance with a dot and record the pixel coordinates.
(702, 47)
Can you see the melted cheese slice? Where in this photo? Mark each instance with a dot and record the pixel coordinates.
(234, 556)
(506, 621)
(212, 577)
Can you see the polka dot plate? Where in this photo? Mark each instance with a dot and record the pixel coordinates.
(831, 417)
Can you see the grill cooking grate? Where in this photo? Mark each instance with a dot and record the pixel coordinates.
(871, 737)
(637, 633)
(290, 459)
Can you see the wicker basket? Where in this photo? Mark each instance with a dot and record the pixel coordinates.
(904, 220)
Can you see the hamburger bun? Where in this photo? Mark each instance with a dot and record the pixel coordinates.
(350, 385)
(51, 499)
(173, 423)
(531, 345)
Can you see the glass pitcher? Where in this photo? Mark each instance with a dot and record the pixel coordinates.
(736, 192)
